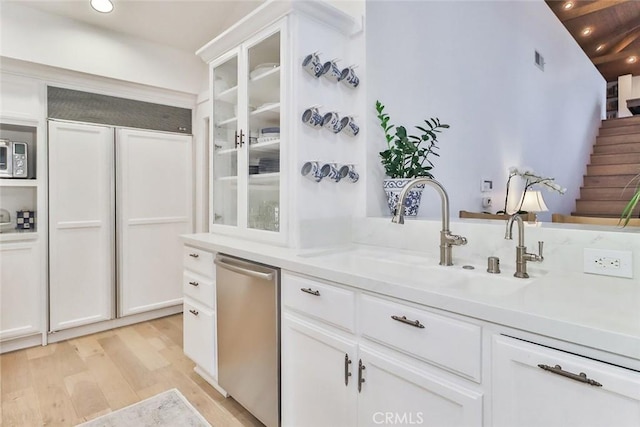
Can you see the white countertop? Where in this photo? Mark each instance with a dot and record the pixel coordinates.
(594, 311)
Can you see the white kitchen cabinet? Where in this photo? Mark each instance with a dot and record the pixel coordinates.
(384, 387)
(247, 139)
(199, 335)
(82, 225)
(124, 192)
(319, 375)
(154, 200)
(199, 314)
(21, 313)
(537, 386)
(259, 91)
(397, 393)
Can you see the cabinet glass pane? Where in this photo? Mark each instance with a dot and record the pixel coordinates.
(263, 151)
(225, 151)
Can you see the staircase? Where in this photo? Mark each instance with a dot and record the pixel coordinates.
(614, 162)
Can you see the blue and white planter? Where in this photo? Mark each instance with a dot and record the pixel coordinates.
(393, 187)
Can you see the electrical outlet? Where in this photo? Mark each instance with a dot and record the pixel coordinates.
(608, 262)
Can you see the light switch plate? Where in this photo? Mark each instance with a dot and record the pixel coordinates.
(607, 262)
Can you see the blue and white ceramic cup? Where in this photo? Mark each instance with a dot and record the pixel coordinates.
(311, 170)
(332, 122)
(349, 126)
(331, 71)
(349, 173)
(349, 78)
(330, 171)
(312, 117)
(312, 65)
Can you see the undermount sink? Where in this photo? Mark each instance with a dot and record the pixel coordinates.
(414, 269)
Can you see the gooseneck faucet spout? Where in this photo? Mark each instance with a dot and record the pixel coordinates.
(447, 240)
(521, 250)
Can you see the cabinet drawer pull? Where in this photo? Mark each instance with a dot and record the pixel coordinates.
(194, 255)
(310, 291)
(361, 368)
(194, 312)
(347, 374)
(404, 319)
(581, 377)
(194, 283)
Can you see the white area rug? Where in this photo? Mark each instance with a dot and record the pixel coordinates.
(167, 409)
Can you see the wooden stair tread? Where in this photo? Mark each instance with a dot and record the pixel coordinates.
(615, 158)
(607, 193)
(604, 207)
(629, 147)
(622, 121)
(614, 169)
(618, 139)
(619, 130)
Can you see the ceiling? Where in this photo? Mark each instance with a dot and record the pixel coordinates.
(615, 32)
(189, 24)
(183, 24)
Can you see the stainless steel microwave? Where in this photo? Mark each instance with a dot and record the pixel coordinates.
(13, 159)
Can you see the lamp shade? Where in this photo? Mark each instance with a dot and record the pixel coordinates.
(533, 202)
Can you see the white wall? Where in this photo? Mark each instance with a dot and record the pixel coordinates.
(35, 36)
(472, 65)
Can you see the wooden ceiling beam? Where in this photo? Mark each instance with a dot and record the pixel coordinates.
(587, 9)
(630, 38)
(610, 40)
(599, 60)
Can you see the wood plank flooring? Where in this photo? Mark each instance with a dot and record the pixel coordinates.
(69, 382)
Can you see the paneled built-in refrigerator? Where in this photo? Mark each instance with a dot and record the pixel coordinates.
(118, 201)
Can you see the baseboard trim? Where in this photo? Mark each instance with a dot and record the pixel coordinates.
(21, 343)
(93, 328)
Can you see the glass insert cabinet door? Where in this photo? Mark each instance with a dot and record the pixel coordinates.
(225, 142)
(246, 135)
(263, 150)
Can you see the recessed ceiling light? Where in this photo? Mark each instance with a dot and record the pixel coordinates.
(632, 59)
(102, 6)
(600, 47)
(568, 5)
(587, 31)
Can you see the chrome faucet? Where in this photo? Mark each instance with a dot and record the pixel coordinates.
(521, 250)
(447, 240)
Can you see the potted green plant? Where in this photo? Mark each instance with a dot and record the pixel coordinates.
(407, 157)
(627, 212)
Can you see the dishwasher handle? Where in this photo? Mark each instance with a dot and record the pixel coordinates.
(230, 264)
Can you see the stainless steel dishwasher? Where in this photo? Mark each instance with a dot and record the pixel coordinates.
(248, 310)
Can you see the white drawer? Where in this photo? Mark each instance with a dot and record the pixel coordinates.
(199, 335)
(199, 288)
(447, 342)
(199, 261)
(317, 299)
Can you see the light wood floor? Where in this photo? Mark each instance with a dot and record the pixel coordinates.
(70, 382)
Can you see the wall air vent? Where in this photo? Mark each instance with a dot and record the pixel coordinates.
(539, 60)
